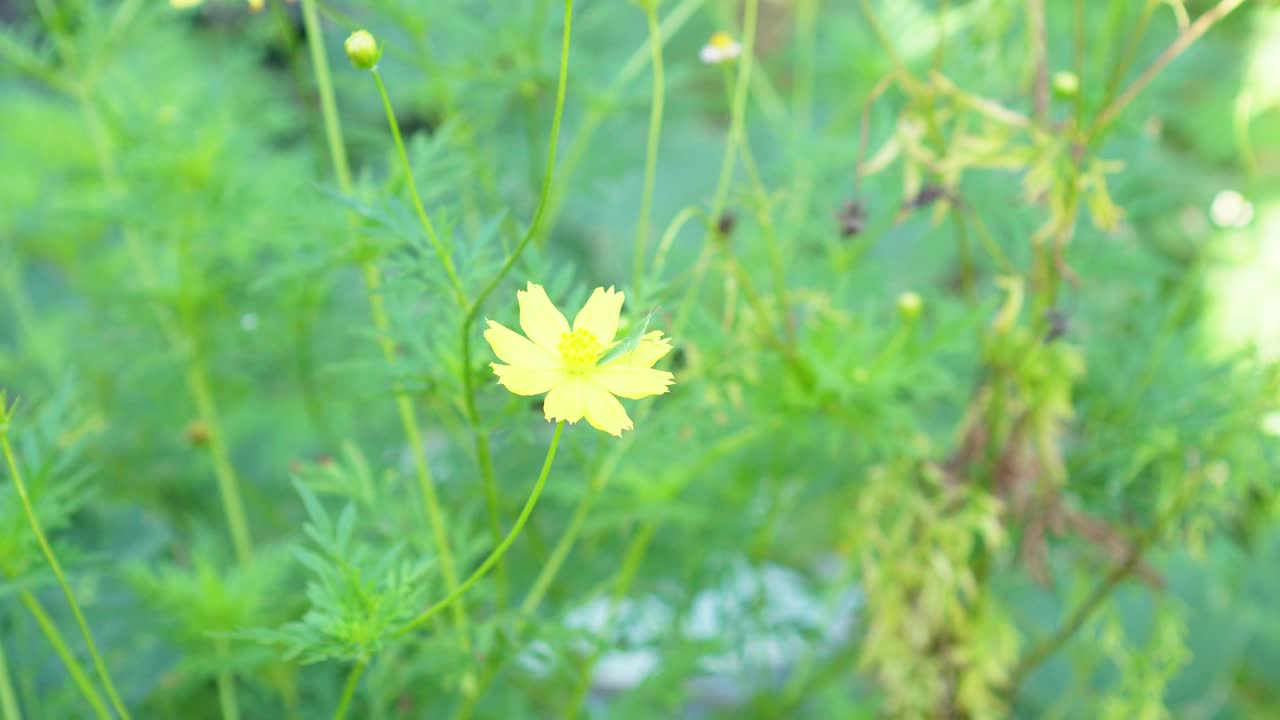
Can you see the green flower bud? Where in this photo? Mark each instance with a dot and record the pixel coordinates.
(1065, 84)
(362, 49)
(909, 304)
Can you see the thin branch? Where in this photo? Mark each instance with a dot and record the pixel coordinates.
(1039, 49)
(1179, 45)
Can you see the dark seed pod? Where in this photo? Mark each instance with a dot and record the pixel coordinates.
(1059, 324)
(852, 218)
(678, 359)
(725, 223)
(928, 195)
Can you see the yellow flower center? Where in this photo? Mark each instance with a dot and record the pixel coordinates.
(580, 350)
(721, 41)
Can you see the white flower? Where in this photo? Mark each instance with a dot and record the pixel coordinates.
(721, 48)
(1230, 209)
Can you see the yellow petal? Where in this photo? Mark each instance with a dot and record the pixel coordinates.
(541, 321)
(527, 381)
(632, 383)
(604, 412)
(565, 401)
(651, 349)
(600, 315)
(576, 398)
(510, 347)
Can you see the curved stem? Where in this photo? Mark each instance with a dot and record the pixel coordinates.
(349, 689)
(483, 454)
(540, 211)
(651, 147)
(372, 276)
(551, 568)
(501, 550)
(423, 217)
(101, 667)
(78, 675)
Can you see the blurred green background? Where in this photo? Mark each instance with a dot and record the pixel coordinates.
(173, 239)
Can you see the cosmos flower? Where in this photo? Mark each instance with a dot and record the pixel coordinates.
(581, 368)
(721, 48)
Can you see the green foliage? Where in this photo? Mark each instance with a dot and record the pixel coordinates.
(974, 369)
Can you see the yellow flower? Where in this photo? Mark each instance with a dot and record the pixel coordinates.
(574, 366)
(184, 4)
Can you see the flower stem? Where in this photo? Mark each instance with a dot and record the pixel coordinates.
(423, 217)
(324, 83)
(483, 454)
(8, 699)
(651, 146)
(737, 111)
(598, 111)
(78, 675)
(349, 689)
(227, 702)
(1176, 48)
(16, 475)
(560, 552)
(502, 548)
(372, 275)
(223, 470)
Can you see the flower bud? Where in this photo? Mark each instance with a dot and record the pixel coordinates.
(1066, 84)
(198, 433)
(363, 50)
(909, 304)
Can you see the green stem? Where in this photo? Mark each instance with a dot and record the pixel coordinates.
(651, 147)
(772, 246)
(78, 675)
(1130, 52)
(227, 702)
(738, 110)
(8, 699)
(502, 548)
(423, 217)
(905, 75)
(372, 275)
(483, 454)
(52, 559)
(349, 689)
(597, 113)
(560, 552)
(1047, 647)
(328, 107)
(223, 470)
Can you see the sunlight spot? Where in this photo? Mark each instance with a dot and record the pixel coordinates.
(1230, 210)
